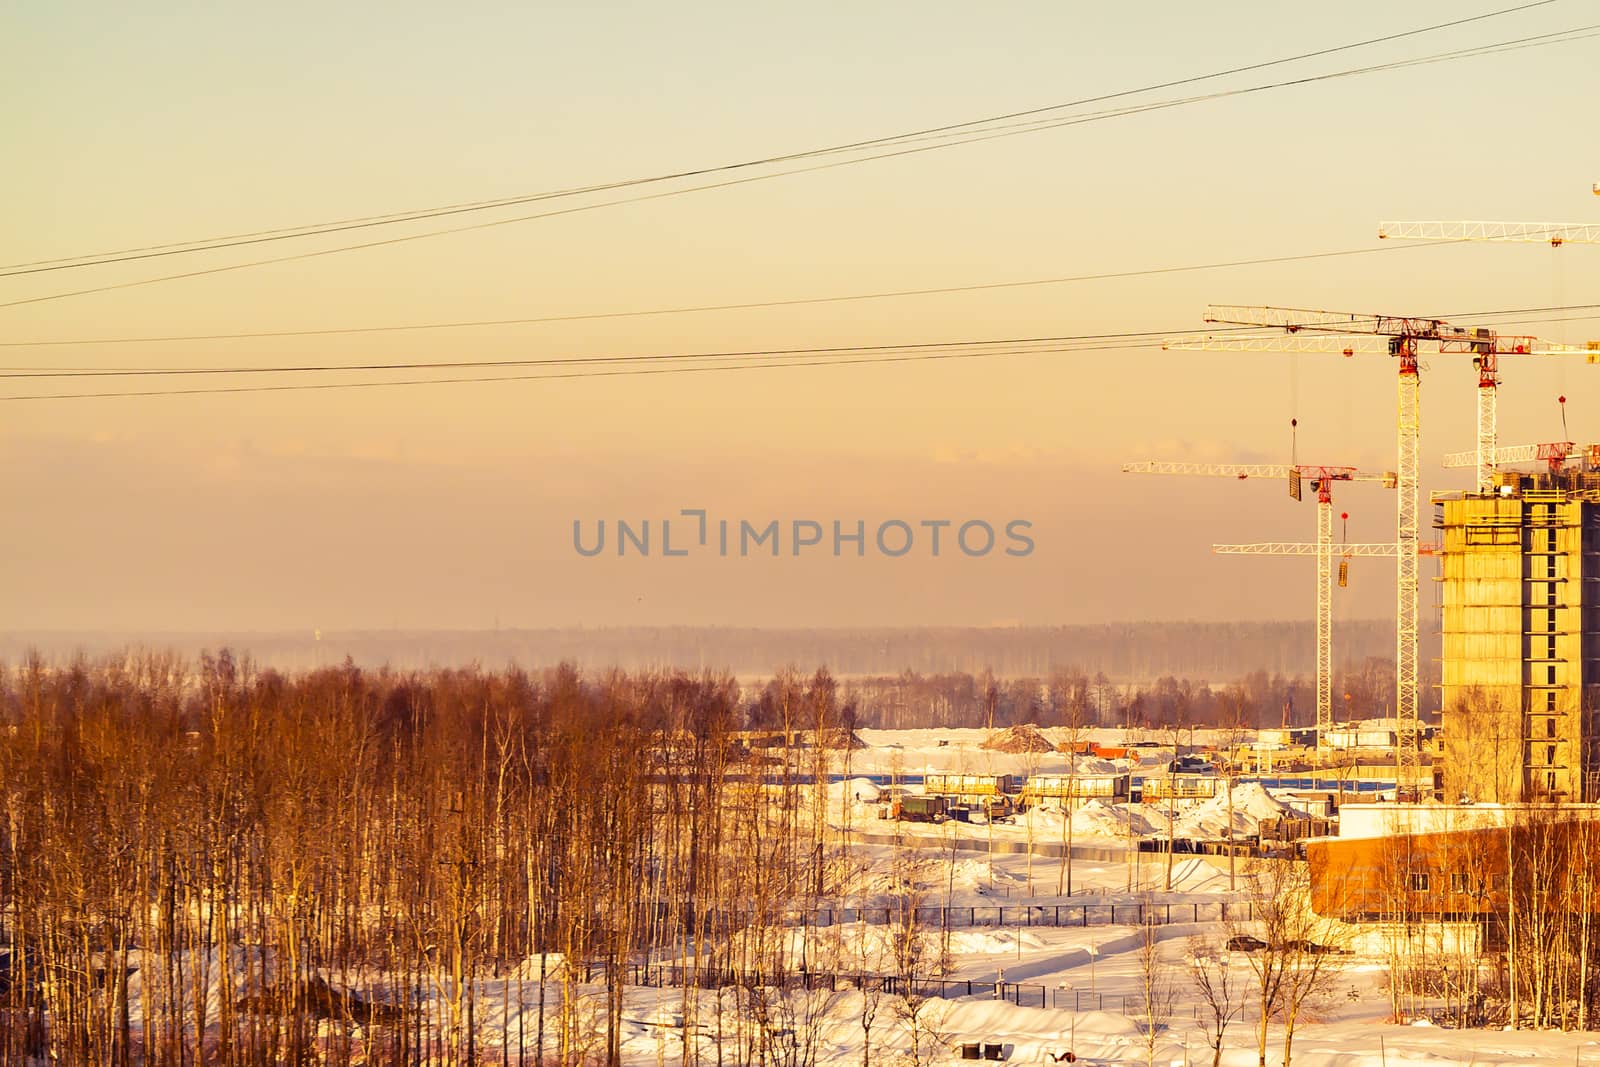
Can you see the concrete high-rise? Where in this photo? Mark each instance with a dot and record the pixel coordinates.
(1521, 637)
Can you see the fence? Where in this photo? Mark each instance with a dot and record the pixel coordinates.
(1022, 994)
(1050, 915)
(1007, 915)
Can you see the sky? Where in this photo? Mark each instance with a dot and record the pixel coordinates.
(453, 505)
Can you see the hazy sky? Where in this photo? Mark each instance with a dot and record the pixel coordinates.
(453, 505)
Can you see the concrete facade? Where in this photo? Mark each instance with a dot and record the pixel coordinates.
(1521, 640)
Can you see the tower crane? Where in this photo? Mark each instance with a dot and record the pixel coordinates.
(1554, 453)
(1554, 234)
(1322, 479)
(1401, 337)
(1362, 345)
(1293, 548)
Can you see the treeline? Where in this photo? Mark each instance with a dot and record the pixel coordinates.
(1260, 699)
(236, 866)
(1124, 652)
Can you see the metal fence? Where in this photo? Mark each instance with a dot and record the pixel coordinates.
(1022, 994)
(1008, 915)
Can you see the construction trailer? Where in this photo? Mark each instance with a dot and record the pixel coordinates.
(1111, 787)
(1287, 737)
(971, 785)
(1367, 736)
(1520, 684)
(1180, 786)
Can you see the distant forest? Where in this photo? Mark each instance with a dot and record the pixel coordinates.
(1075, 699)
(1124, 653)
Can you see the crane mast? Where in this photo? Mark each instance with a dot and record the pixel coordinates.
(1398, 336)
(1402, 335)
(1409, 421)
(1322, 478)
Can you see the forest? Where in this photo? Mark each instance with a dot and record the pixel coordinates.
(246, 855)
(213, 864)
(914, 701)
(1125, 652)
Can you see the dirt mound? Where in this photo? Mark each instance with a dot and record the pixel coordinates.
(839, 737)
(1014, 739)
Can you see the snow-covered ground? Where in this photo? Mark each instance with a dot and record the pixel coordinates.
(1089, 979)
(1034, 1035)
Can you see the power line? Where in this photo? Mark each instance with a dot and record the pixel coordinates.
(764, 353)
(654, 363)
(362, 222)
(765, 304)
(588, 373)
(1564, 36)
(745, 306)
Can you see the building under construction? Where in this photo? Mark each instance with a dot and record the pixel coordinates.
(1521, 636)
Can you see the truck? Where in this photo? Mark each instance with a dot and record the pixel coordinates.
(921, 809)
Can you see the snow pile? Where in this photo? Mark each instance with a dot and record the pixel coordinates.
(860, 790)
(1194, 875)
(1090, 818)
(990, 942)
(1252, 805)
(1018, 739)
(1254, 798)
(1097, 818)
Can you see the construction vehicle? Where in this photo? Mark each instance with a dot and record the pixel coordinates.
(920, 809)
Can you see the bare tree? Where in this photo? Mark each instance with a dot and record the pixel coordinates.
(1303, 954)
(868, 954)
(1158, 989)
(1070, 693)
(916, 961)
(1211, 974)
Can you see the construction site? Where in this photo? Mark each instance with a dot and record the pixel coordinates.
(1517, 704)
(602, 535)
